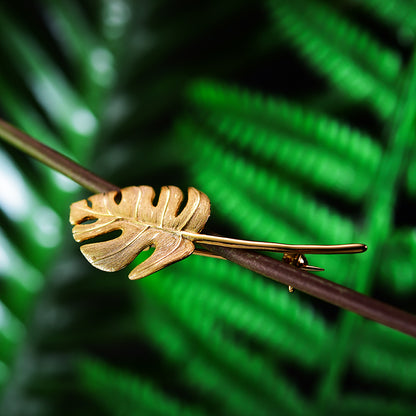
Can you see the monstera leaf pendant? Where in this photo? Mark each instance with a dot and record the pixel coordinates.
(172, 233)
(142, 225)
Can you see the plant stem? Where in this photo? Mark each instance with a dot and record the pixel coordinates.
(53, 159)
(276, 270)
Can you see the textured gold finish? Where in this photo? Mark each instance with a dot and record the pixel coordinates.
(142, 224)
(172, 234)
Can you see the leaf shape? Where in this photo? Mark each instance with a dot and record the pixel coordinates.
(142, 224)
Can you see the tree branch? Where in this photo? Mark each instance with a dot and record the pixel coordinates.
(53, 159)
(276, 270)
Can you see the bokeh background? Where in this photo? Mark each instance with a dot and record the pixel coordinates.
(296, 118)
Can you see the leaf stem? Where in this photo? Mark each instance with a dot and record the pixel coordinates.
(276, 270)
(277, 247)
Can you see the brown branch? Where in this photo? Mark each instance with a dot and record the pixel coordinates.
(53, 159)
(276, 270)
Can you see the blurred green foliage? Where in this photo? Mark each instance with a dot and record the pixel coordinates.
(296, 118)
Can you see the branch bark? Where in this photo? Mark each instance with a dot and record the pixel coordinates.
(273, 269)
(53, 159)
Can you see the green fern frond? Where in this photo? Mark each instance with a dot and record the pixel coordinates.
(271, 189)
(247, 314)
(377, 335)
(28, 211)
(411, 178)
(251, 219)
(354, 62)
(48, 106)
(233, 178)
(32, 219)
(20, 281)
(28, 118)
(11, 334)
(374, 363)
(370, 405)
(260, 293)
(352, 40)
(125, 394)
(397, 13)
(78, 41)
(220, 344)
(398, 271)
(309, 147)
(64, 106)
(263, 205)
(278, 211)
(217, 388)
(301, 123)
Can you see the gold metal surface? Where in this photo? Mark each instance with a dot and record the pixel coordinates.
(142, 225)
(172, 233)
(299, 260)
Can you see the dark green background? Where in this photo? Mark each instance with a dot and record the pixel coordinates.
(296, 118)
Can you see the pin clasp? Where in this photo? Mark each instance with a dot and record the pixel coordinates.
(299, 260)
